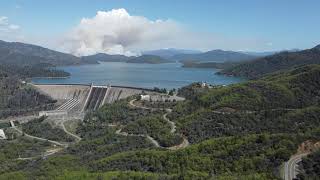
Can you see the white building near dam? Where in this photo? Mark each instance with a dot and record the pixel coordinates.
(2, 134)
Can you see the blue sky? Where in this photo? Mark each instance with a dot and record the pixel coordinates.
(255, 25)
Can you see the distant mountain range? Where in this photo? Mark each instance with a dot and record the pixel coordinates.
(260, 54)
(148, 59)
(105, 58)
(172, 55)
(267, 53)
(170, 52)
(31, 55)
(214, 56)
(273, 63)
(22, 54)
(145, 59)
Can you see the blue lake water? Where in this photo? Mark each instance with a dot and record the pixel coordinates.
(169, 76)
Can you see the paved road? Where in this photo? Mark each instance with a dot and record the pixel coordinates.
(291, 166)
(46, 154)
(185, 141)
(172, 124)
(152, 140)
(131, 103)
(53, 151)
(37, 138)
(49, 152)
(69, 133)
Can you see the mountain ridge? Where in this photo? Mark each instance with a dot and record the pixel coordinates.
(43, 55)
(168, 53)
(269, 64)
(217, 55)
(103, 57)
(148, 59)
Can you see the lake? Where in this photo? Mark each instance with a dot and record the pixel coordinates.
(170, 75)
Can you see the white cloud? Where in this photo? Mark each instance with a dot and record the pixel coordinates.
(116, 32)
(8, 31)
(14, 27)
(6, 26)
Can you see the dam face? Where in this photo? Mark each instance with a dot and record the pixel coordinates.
(95, 98)
(70, 97)
(81, 98)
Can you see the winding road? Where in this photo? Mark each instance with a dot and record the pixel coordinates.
(51, 151)
(184, 143)
(37, 138)
(46, 154)
(172, 124)
(152, 140)
(78, 138)
(291, 166)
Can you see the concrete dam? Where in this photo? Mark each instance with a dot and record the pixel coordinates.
(80, 98)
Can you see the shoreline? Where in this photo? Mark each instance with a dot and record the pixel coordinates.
(62, 77)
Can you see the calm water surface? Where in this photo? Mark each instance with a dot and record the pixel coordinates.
(169, 76)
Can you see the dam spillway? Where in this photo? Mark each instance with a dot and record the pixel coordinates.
(95, 98)
(81, 98)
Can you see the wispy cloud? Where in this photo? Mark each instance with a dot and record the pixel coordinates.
(9, 31)
(6, 26)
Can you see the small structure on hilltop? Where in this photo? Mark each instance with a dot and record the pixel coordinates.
(206, 85)
(145, 97)
(2, 134)
(160, 98)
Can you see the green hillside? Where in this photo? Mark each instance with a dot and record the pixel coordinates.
(242, 131)
(281, 61)
(218, 56)
(310, 166)
(17, 98)
(27, 54)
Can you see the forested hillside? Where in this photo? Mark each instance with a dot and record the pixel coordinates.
(148, 59)
(39, 70)
(310, 166)
(243, 131)
(273, 63)
(212, 65)
(105, 58)
(18, 98)
(18, 62)
(214, 56)
(27, 54)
